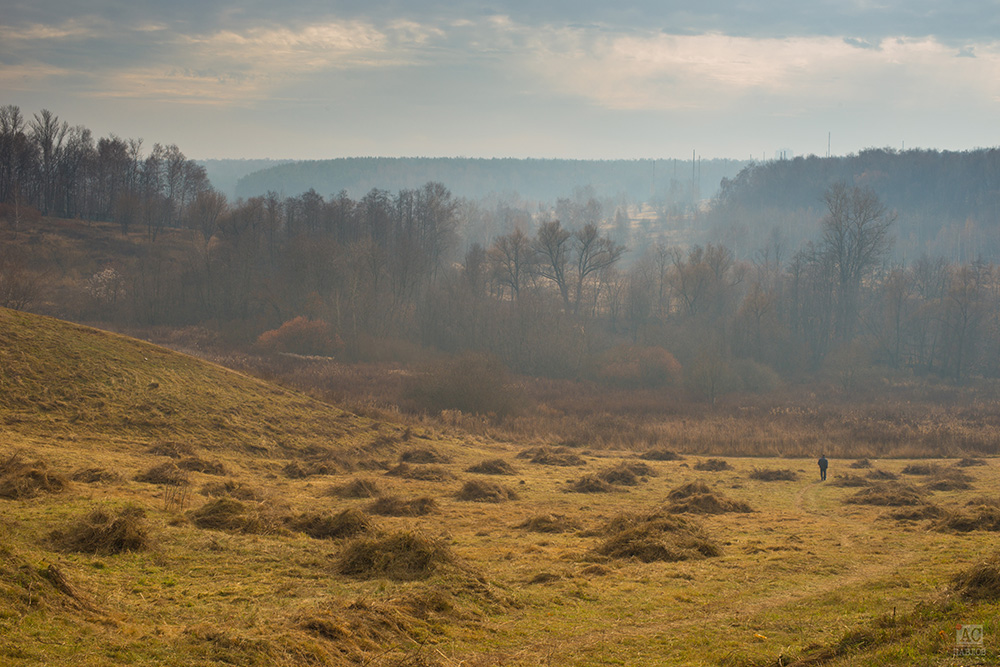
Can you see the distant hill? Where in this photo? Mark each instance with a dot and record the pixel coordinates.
(225, 174)
(948, 202)
(531, 179)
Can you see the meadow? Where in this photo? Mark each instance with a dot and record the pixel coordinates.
(157, 509)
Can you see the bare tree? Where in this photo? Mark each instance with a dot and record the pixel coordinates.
(552, 246)
(855, 241)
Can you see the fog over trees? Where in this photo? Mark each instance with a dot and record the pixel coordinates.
(730, 294)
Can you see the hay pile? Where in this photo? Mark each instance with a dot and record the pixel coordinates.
(590, 484)
(697, 498)
(492, 467)
(423, 455)
(95, 476)
(552, 456)
(920, 469)
(661, 455)
(106, 532)
(550, 523)
(426, 473)
(713, 465)
(850, 480)
(882, 475)
(402, 556)
(951, 479)
(969, 462)
(485, 491)
(978, 514)
(21, 479)
(198, 464)
(655, 537)
(395, 506)
(167, 473)
(233, 516)
(359, 487)
(981, 581)
(890, 494)
(773, 475)
(860, 463)
(348, 523)
(232, 489)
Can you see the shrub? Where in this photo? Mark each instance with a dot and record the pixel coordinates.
(472, 383)
(402, 556)
(301, 336)
(101, 532)
(638, 366)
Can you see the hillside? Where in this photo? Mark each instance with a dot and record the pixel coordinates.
(531, 179)
(158, 510)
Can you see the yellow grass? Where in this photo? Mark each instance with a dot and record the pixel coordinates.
(805, 575)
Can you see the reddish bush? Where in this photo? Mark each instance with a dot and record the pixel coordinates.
(638, 366)
(301, 336)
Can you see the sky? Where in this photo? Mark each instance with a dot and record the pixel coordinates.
(578, 79)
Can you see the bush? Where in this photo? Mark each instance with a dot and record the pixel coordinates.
(638, 366)
(472, 383)
(301, 336)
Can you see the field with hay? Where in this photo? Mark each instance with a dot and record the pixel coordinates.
(159, 510)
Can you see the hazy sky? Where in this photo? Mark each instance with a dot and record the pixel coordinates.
(316, 79)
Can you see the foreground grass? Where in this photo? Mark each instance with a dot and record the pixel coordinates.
(804, 576)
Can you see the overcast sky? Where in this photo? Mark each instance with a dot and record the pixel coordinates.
(312, 79)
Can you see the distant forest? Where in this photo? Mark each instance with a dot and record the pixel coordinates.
(673, 181)
(881, 263)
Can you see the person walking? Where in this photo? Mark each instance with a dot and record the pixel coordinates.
(823, 465)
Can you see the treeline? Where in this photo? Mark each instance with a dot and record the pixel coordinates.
(52, 168)
(948, 201)
(669, 181)
(388, 275)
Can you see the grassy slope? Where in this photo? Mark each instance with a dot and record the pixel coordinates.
(804, 576)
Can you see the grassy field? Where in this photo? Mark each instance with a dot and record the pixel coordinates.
(159, 510)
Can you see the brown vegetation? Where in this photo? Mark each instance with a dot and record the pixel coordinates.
(981, 581)
(713, 465)
(232, 515)
(167, 473)
(655, 537)
(359, 487)
(427, 473)
(552, 456)
(395, 506)
(348, 523)
(106, 532)
(887, 493)
(21, 479)
(485, 491)
(550, 523)
(773, 475)
(492, 467)
(401, 556)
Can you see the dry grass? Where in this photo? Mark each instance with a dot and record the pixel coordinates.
(229, 514)
(981, 581)
(348, 523)
(402, 556)
(492, 467)
(921, 469)
(106, 532)
(590, 484)
(661, 455)
(426, 473)
(655, 537)
(850, 480)
(550, 523)
(95, 476)
(232, 489)
(359, 487)
(893, 494)
(21, 479)
(552, 456)
(697, 498)
(395, 506)
(167, 473)
(423, 455)
(860, 464)
(198, 464)
(882, 475)
(968, 462)
(952, 479)
(713, 465)
(485, 491)
(773, 475)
